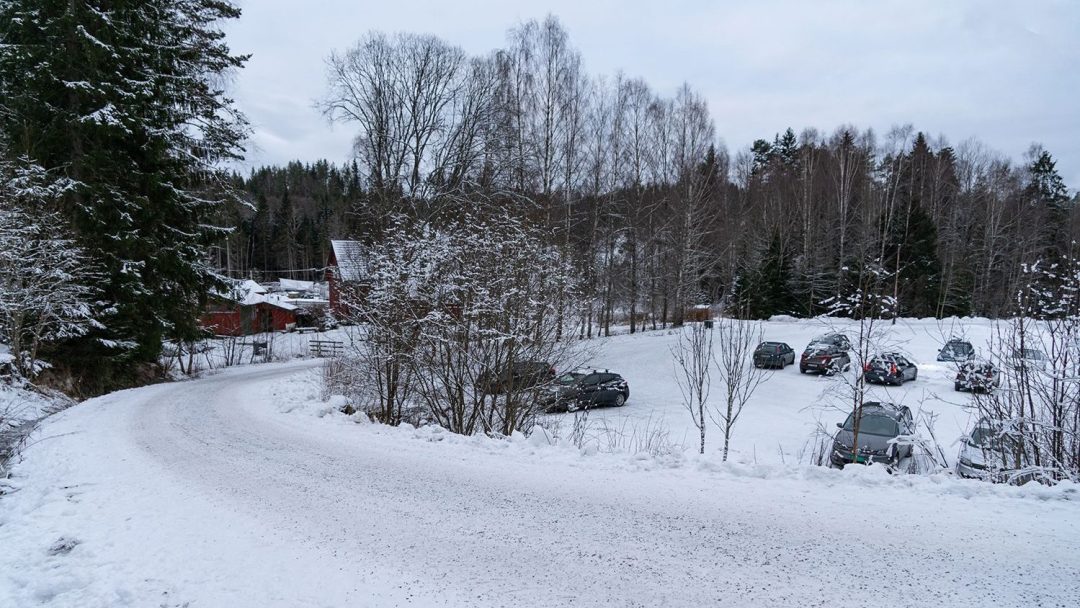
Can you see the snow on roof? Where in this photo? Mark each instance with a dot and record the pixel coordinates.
(351, 262)
(278, 301)
(293, 285)
(250, 286)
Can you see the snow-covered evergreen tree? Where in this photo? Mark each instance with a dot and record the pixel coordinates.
(44, 278)
(124, 98)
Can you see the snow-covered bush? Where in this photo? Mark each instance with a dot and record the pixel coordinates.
(1035, 415)
(445, 307)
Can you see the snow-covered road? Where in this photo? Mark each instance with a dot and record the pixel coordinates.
(205, 493)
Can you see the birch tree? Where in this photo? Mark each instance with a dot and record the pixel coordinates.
(739, 378)
(693, 359)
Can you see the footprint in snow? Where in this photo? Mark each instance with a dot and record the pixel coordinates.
(63, 545)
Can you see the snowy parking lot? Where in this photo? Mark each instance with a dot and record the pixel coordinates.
(780, 423)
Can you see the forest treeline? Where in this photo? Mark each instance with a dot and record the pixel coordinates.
(640, 192)
(121, 218)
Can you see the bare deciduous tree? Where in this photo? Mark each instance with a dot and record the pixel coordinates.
(693, 361)
(736, 340)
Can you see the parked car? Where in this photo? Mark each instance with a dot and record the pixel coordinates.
(773, 354)
(880, 425)
(585, 389)
(977, 377)
(1028, 358)
(521, 375)
(956, 350)
(890, 368)
(824, 358)
(988, 453)
(838, 340)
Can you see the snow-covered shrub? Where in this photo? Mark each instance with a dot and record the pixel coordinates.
(1035, 416)
(445, 307)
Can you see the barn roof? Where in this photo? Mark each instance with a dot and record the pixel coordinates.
(278, 302)
(294, 285)
(249, 286)
(351, 259)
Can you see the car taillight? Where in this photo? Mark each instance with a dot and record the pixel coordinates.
(866, 367)
(892, 369)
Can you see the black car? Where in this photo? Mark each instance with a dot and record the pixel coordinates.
(880, 424)
(837, 340)
(890, 368)
(585, 389)
(773, 354)
(977, 377)
(956, 350)
(824, 358)
(519, 376)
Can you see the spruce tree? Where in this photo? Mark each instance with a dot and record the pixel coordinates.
(774, 279)
(123, 98)
(1050, 198)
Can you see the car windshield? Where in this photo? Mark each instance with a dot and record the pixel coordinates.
(987, 438)
(569, 378)
(873, 424)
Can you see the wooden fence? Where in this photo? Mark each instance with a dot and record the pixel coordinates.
(326, 348)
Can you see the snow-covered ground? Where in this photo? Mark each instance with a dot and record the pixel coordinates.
(18, 405)
(20, 409)
(244, 489)
(222, 352)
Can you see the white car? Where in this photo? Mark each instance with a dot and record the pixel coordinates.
(1028, 358)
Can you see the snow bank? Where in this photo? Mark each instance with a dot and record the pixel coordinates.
(544, 447)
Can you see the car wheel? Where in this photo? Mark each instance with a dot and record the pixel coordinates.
(915, 375)
(802, 370)
(620, 400)
(957, 387)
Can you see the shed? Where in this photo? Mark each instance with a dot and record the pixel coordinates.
(246, 309)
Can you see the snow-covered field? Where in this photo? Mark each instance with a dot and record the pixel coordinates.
(245, 489)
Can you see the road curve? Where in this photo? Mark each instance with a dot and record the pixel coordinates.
(203, 493)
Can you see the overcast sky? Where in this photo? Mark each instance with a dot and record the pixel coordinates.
(1007, 72)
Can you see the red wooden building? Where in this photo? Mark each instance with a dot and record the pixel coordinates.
(345, 273)
(246, 311)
